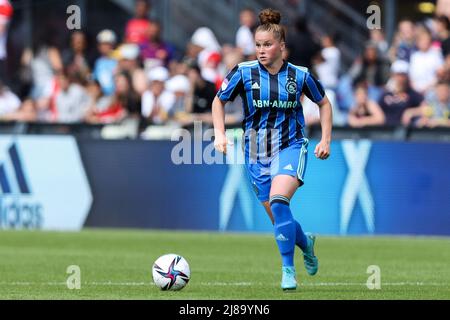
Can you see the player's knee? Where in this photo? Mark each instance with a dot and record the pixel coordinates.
(284, 185)
(280, 199)
(280, 208)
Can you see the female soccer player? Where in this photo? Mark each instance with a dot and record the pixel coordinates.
(275, 146)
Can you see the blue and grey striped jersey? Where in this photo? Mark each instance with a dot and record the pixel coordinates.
(272, 108)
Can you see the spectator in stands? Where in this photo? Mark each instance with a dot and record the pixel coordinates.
(180, 86)
(154, 51)
(157, 102)
(9, 102)
(6, 12)
(301, 44)
(203, 94)
(180, 67)
(137, 28)
(72, 100)
(365, 112)
(443, 8)
(424, 63)
(245, 41)
(198, 99)
(328, 63)
(127, 95)
(99, 102)
(442, 25)
(404, 41)
(377, 38)
(327, 67)
(399, 95)
(123, 101)
(45, 104)
(443, 73)
(372, 70)
(106, 66)
(42, 62)
(75, 58)
(434, 111)
(209, 57)
(128, 56)
(26, 113)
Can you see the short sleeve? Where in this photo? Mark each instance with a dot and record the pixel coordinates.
(313, 89)
(231, 86)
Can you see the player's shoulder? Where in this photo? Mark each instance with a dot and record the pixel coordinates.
(298, 68)
(247, 64)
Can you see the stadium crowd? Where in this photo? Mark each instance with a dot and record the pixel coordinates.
(142, 81)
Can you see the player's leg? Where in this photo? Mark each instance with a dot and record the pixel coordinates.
(282, 189)
(300, 237)
(288, 171)
(266, 205)
(261, 180)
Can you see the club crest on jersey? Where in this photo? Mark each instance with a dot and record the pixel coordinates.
(291, 86)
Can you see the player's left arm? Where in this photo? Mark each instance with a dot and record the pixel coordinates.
(322, 150)
(313, 89)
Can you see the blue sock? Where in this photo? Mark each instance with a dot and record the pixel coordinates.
(300, 237)
(284, 228)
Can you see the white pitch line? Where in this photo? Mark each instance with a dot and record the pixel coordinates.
(243, 284)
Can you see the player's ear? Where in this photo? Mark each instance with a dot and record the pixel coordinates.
(283, 45)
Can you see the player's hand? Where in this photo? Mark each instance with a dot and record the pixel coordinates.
(221, 142)
(322, 150)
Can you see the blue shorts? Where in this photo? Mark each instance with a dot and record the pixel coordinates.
(289, 161)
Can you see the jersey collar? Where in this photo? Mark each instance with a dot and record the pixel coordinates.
(283, 67)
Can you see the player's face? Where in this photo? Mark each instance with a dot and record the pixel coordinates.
(268, 48)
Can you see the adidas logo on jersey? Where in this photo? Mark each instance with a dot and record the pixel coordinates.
(288, 167)
(255, 86)
(281, 237)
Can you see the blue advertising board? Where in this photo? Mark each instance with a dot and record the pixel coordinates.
(43, 185)
(365, 187)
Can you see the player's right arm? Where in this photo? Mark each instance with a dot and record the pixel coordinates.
(231, 87)
(218, 115)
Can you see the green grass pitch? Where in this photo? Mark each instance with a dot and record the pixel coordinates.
(116, 264)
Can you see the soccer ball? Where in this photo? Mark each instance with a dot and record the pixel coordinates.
(171, 272)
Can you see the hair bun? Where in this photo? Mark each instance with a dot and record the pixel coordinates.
(269, 16)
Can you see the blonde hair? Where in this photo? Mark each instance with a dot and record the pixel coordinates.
(270, 21)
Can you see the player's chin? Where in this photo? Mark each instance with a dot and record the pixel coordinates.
(264, 61)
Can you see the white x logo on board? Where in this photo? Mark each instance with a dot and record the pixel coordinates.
(356, 185)
(235, 185)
